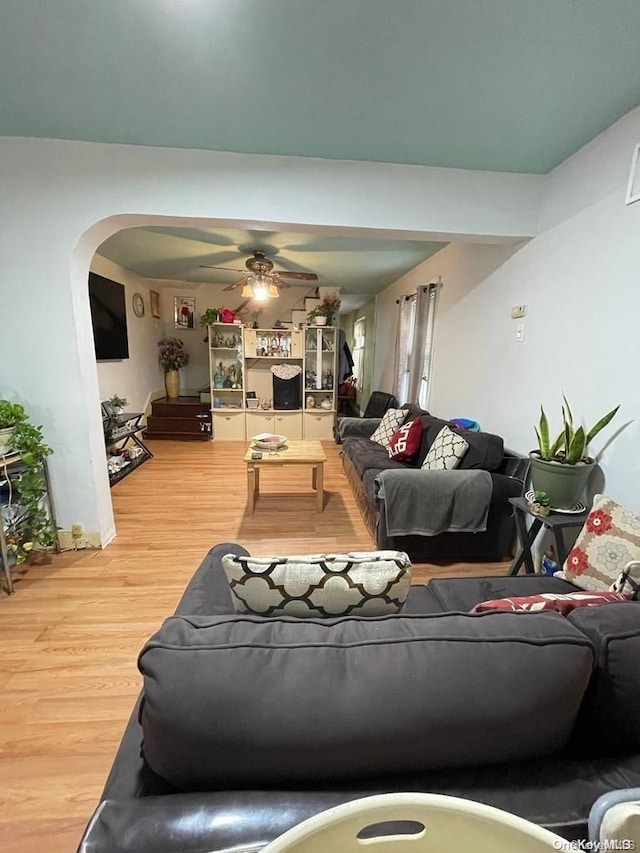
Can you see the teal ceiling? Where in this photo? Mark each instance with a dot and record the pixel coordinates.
(512, 85)
(355, 264)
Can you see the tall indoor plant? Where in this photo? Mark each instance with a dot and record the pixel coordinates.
(562, 467)
(28, 524)
(172, 356)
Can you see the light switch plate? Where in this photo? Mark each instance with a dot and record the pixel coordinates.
(520, 332)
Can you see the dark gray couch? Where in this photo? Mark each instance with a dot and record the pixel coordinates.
(248, 725)
(364, 459)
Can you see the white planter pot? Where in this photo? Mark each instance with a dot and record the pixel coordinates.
(321, 321)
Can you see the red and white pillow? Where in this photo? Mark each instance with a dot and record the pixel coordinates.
(405, 442)
(562, 603)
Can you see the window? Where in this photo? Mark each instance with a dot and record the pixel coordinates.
(414, 345)
(358, 351)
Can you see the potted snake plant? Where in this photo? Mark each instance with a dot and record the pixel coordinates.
(562, 467)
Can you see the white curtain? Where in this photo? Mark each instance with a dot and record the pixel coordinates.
(414, 345)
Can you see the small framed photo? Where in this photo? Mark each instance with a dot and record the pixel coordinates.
(154, 302)
(184, 312)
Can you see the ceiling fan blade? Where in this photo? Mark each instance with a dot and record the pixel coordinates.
(235, 284)
(208, 267)
(301, 276)
(275, 277)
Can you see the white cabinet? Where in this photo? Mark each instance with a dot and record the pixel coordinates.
(228, 426)
(318, 426)
(281, 423)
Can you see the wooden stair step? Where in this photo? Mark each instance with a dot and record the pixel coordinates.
(181, 407)
(159, 423)
(177, 436)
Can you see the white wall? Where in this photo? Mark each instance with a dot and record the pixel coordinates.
(61, 199)
(138, 376)
(579, 279)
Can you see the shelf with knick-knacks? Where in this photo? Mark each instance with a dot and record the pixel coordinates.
(242, 388)
(273, 343)
(320, 367)
(226, 366)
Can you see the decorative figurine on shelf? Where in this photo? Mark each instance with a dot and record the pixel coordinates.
(218, 379)
(311, 403)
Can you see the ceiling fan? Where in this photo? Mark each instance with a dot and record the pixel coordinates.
(262, 281)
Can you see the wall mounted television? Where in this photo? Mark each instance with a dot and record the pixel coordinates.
(109, 318)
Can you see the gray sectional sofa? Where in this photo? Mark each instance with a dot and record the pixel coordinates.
(247, 726)
(365, 460)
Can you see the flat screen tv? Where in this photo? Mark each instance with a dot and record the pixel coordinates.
(109, 318)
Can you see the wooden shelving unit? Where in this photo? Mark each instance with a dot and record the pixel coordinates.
(247, 363)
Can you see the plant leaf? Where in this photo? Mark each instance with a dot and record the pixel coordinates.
(568, 417)
(557, 445)
(601, 424)
(543, 435)
(575, 452)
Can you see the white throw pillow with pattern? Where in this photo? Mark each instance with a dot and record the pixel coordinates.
(391, 420)
(446, 451)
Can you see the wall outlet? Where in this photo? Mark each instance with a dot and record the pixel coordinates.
(518, 311)
(520, 332)
(77, 531)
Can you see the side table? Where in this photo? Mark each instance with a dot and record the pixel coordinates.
(555, 522)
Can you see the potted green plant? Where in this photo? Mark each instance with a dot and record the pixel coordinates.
(562, 468)
(28, 524)
(117, 404)
(210, 316)
(323, 313)
(11, 414)
(540, 504)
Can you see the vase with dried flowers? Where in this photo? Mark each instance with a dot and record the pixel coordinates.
(172, 356)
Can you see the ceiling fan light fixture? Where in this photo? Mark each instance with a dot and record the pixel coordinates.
(247, 293)
(260, 286)
(273, 292)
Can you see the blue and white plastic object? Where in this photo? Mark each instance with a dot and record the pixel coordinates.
(466, 423)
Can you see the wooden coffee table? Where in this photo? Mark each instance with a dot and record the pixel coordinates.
(292, 453)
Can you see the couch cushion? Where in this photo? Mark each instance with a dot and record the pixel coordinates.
(612, 703)
(485, 449)
(461, 594)
(334, 700)
(609, 539)
(366, 454)
(357, 584)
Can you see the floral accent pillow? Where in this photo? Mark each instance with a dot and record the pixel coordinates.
(609, 539)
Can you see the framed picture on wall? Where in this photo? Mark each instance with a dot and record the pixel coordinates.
(154, 303)
(184, 312)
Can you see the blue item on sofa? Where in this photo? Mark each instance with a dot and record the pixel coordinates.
(465, 423)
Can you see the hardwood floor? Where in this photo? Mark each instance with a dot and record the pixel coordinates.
(71, 633)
